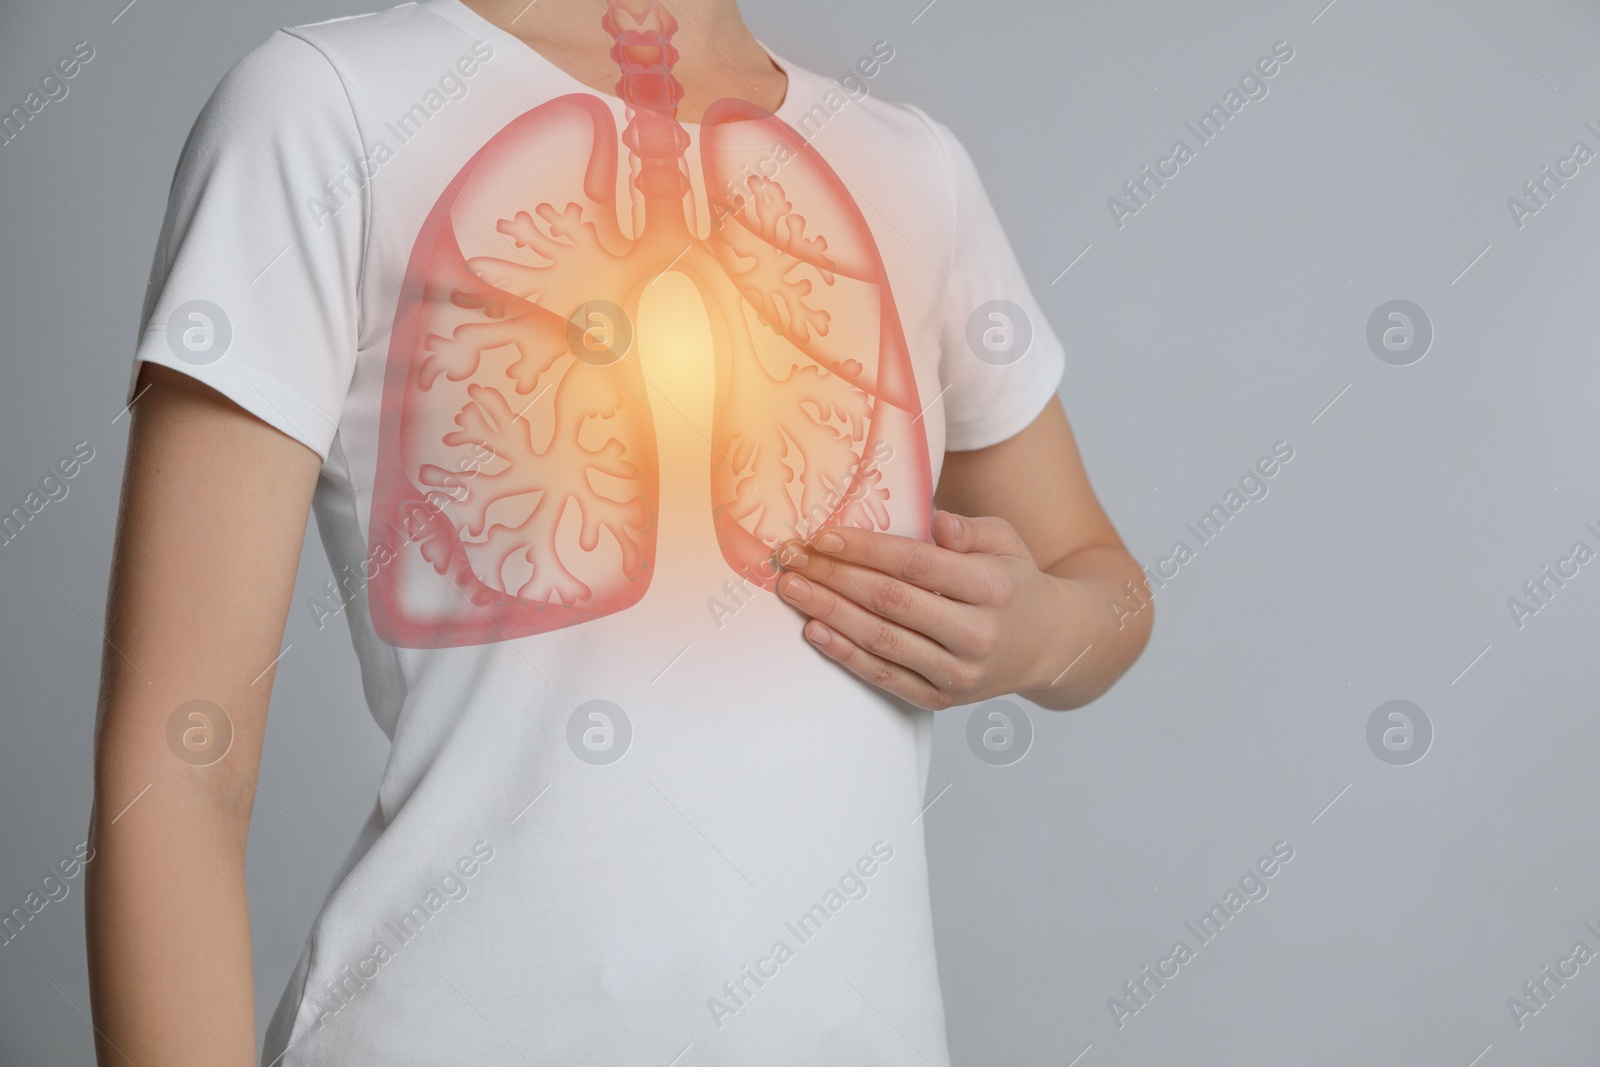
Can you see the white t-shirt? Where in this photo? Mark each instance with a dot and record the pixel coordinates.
(630, 816)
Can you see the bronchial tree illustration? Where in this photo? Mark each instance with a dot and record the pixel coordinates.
(514, 339)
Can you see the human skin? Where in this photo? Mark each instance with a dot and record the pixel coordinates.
(214, 512)
(1026, 567)
(717, 55)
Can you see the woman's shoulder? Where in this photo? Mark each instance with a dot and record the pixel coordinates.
(335, 57)
(850, 106)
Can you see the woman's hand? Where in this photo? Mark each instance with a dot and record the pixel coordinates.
(966, 618)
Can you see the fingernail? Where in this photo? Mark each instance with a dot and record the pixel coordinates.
(796, 588)
(818, 634)
(790, 554)
(829, 541)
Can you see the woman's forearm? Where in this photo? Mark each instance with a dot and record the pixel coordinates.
(1101, 613)
(168, 927)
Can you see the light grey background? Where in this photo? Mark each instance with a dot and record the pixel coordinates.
(1227, 315)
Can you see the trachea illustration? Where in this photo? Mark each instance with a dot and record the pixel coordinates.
(518, 484)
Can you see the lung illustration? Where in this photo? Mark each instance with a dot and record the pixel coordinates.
(518, 482)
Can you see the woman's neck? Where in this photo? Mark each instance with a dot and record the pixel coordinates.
(717, 54)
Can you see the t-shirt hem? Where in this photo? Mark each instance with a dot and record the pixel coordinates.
(999, 426)
(260, 394)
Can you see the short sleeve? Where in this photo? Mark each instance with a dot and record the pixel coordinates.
(254, 288)
(1000, 360)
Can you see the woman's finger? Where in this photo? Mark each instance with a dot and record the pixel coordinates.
(945, 620)
(891, 677)
(883, 638)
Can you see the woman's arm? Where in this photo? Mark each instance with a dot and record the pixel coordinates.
(213, 514)
(1033, 584)
(1036, 484)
